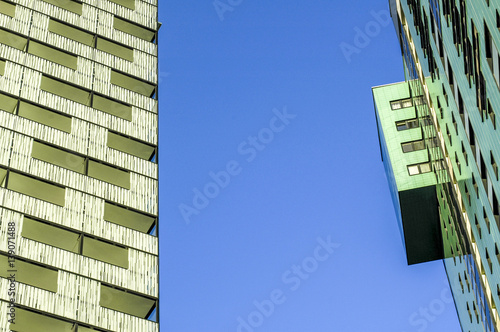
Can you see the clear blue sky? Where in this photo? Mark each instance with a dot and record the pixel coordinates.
(261, 111)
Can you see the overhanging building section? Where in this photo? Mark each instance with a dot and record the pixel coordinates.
(409, 171)
(78, 165)
(452, 64)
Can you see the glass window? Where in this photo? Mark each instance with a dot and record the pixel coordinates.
(413, 170)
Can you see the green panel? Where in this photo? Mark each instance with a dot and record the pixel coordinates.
(45, 117)
(115, 49)
(65, 90)
(125, 3)
(132, 84)
(130, 146)
(105, 252)
(109, 174)
(54, 55)
(71, 32)
(30, 274)
(112, 107)
(36, 188)
(72, 6)
(119, 300)
(12, 40)
(7, 103)
(2, 67)
(128, 218)
(51, 235)
(58, 157)
(7, 9)
(133, 29)
(28, 321)
(3, 174)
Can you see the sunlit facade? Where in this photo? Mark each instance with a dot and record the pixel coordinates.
(78, 165)
(440, 145)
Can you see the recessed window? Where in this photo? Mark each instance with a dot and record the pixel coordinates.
(419, 168)
(58, 157)
(403, 103)
(407, 124)
(45, 117)
(413, 146)
(108, 174)
(494, 165)
(70, 32)
(128, 218)
(130, 146)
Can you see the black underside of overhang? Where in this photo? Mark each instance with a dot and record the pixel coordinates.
(421, 227)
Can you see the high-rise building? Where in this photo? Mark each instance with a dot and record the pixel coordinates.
(78, 165)
(440, 143)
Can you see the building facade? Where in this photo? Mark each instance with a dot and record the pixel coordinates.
(440, 144)
(79, 165)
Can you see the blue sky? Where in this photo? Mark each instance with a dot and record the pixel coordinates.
(275, 210)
